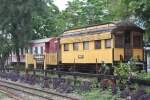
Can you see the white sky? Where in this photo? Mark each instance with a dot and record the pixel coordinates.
(62, 4)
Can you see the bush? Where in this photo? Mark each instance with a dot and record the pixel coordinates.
(122, 69)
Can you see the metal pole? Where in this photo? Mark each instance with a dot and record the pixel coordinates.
(145, 62)
(74, 65)
(75, 77)
(96, 67)
(34, 73)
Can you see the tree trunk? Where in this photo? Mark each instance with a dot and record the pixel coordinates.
(2, 62)
(18, 60)
(2, 65)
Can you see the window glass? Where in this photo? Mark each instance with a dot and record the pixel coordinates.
(14, 52)
(66, 47)
(31, 51)
(137, 41)
(119, 43)
(75, 46)
(36, 50)
(21, 51)
(41, 50)
(25, 50)
(108, 43)
(127, 36)
(85, 45)
(97, 44)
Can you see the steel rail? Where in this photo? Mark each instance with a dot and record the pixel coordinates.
(13, 86)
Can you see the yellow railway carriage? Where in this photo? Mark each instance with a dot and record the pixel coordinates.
(85, 48)
(109, 43)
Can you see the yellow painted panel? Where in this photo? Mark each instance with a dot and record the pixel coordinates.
(29, 59)
(81, 38)
(51, 58)
(87, 56)
(117, 53)
(138, 52)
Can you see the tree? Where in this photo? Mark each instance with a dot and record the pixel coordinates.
(136, 11)
(16, 20)
(5, 50)
(120, 9)
(83, 13)
(45, 25)
(74, 15)
(142, 12)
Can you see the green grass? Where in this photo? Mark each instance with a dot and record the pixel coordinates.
(96, 94)
(2, 94)
(144, 75)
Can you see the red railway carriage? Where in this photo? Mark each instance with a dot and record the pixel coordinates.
(47, 57)
(51, 46)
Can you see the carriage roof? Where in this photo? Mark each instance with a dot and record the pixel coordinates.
(41, 40)
(111, 27)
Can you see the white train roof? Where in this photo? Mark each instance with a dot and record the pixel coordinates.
(41, 40)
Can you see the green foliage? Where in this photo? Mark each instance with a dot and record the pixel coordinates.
(122, 69)
(5, 49)
(16, 20)
(126, 69)
(47, 25)
(94, 83)
(144, 75)
(104, 69)
(83, 13)
(132, 65)
(95, 94)
(2, 94)
(136, 11)
(88, 12)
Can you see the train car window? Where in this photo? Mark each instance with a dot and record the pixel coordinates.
(137, 41)
(21, 51)
(14, 53)
(31, 51)
(25, 50)
(66, 47)
(127, 37)
(85, 45)
(119, 43)
(75, 46)
(97, 44)
(36, 50)
(41, 50)
(108, 43)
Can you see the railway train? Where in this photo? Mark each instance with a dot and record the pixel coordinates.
(88, 47)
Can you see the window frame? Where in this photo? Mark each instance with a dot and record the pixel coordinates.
(106, 40)
(119, 43)
(36, 50)
(75, 46)
(95, 45)
(66, 44)
(42, 50)
(31, 50)
(22, 51)
(84, 46)
(137, 43)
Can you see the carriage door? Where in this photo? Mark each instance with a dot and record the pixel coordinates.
(47, 47)
(127, 46)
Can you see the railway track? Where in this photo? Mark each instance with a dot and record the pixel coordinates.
(38, 93)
